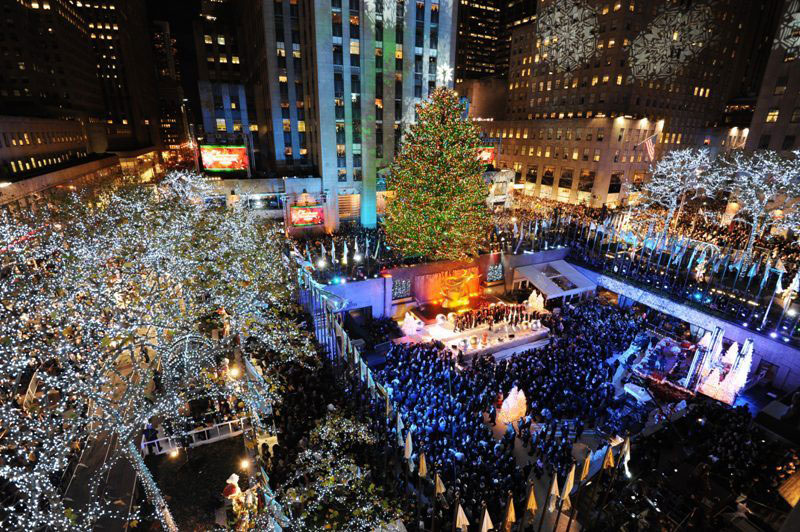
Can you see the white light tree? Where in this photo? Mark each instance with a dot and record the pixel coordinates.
(107, 301)
(765, 187)
(679, 175)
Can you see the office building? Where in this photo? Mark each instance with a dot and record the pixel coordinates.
(224, 104)
(338, 82)
(119, 31)
(590, 82)
(173, 121)
(776, 121)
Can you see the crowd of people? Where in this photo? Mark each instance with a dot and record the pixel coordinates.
(491, 314)
(567, 384)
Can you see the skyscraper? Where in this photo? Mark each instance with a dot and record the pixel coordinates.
(776, 121)
(590, 82)
(173, 121)
(119, 31)
(348, 74)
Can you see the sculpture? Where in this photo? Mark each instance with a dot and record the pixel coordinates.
(535, 302)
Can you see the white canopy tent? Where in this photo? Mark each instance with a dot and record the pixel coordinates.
(554, 279)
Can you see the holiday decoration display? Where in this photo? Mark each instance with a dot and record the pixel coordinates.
(678, 176)
(788, 36)
(567, 34)
(123, 304)
(671, 41)
(438, 210)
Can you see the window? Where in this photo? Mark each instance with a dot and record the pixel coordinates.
(548, 176)
(531, 177)
(772, 115)
(780, 86)
(796, 115)
(586, 181)
(596, 156)
(788, 142)
(209, 40)
(235, 59)
(615, 185)
(763, 142)
(221, 40)
(565, 181)
(221, 124)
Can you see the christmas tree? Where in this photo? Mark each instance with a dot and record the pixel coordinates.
(439, 210)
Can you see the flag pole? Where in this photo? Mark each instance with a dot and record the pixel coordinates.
(769, 306)
(525, 511)
(546, 502)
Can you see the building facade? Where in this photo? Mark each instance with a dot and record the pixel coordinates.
(334, 83)
(776, 120)
(173, 120)
(588, 85)
(124, 66)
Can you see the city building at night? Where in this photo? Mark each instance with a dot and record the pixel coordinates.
(577, 115)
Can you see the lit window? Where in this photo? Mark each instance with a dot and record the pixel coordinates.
(209, 40)
(254, 127)
(235, 59)
(221, 39)
(772, 115)
(223, 59)
(221, 125)
(355, 47)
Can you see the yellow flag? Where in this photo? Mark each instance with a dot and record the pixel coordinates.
(511, 515)
(565, 491)
(608, 459)
(587, 464)
(530, 504)
(423, 467)
(409, 447)
(486, 522)
(461, 519)
(551, 505)
(439, 487)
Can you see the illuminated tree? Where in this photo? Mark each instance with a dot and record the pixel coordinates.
(439, 210)
(679, 175)
(108, 301)
(765, 186)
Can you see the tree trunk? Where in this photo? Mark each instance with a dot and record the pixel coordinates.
(754, 230)
(150, 487)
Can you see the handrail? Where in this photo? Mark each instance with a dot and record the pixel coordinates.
(169, 442)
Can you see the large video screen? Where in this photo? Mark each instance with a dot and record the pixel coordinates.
(486, 154)
(224, 158)
(302, 216)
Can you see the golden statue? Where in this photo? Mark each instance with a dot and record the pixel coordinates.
(455, 290)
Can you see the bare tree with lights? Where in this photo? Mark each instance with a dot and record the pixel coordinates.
(765, 186)
(106, 303)
(680, 175)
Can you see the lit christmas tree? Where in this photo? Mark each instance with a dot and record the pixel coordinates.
(439, 210)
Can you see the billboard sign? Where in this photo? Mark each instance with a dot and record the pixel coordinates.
(487, 154)
(224, 158)
(302, 216)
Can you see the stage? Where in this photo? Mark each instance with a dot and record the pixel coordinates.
(470, 342)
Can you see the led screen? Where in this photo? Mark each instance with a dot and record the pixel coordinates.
(302, 216)
(224, 158)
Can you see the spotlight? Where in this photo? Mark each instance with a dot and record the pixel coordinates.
(173, 453)
(244, 464)
(773, 335)
(792, 313)
(234, 372)
(357, 257)
(321, 263)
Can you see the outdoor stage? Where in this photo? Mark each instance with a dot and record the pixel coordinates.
(471, 342)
